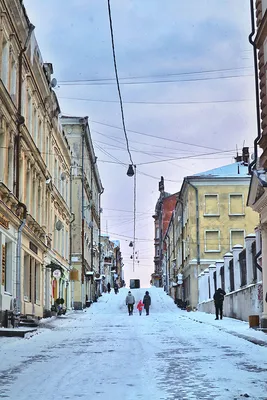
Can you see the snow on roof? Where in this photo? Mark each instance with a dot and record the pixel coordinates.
(236, 169)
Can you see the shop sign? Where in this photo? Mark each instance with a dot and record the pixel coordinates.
(4, 222)
(3, 264)
(57, 273)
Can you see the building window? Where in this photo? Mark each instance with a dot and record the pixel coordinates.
(37, 277)
(211, 205)
(5, 63)
(212, 241)
(236, 204)
(47, 152)
(35, 127)
(29, 114)
(26, 282)
(7, 267)
(237, 236)
(23, 98)
(13, 82)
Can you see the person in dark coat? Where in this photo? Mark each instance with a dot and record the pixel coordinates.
(108, 286)
(218, 302)
(116, 287)
(147, 302)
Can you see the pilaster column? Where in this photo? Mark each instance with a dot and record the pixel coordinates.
(206, 284)
(227, 258)
(200, 287)
(236, 251)
(212, 269)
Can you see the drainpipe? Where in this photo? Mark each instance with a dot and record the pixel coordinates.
(16, 170)
(18, 256)
(92, 227)
(99, 241)
(257, 94)
(167, 272)
(20, 118)
(182, 235)
(197, 224)
(70, 239)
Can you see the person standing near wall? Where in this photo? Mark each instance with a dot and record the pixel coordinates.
(218, 302)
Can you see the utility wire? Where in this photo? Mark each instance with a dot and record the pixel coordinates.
(158, 137)
(157, 75)
(117, 79)
(163, 103)
(157, 81)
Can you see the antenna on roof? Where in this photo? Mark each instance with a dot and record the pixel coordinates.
(237, 158)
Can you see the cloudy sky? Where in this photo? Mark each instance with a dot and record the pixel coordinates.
(187, 83)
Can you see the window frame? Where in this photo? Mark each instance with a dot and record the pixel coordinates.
(218, 205)
(230, 236)
(229, 204)
(219, 241)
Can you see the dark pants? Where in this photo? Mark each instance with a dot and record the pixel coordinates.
(219, 310)
(130, 308)
(147, 310)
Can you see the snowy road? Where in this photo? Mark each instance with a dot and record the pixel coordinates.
(105, 354)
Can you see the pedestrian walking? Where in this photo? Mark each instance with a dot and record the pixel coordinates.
(108, 286)
(130, 301)
(140, 307)
(116, 288)
(147, 302)
(218, 302)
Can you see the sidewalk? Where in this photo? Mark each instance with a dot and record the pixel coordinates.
(232, 326)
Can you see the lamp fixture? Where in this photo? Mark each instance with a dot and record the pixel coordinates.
(130, 171)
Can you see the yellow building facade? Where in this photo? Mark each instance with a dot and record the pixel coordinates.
(210, 218)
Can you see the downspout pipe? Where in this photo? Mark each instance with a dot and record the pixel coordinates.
(17, 145)
(182, 236)
(92, 227)
(182, 230)
(99, 238)
(257, 92)
(167, 253)
(18, 258)
(197, 224)
(70, 239)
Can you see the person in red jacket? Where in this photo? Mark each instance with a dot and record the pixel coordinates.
(140, 307)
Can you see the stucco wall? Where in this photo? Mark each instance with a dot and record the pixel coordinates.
(239, 304)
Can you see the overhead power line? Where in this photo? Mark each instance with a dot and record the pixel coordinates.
(208, 71)
(117, 79)
(157, 137)
(163, 103)
(101, 83)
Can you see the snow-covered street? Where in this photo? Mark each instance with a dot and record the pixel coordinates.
(105, 354)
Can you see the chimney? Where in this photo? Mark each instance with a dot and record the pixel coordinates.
(161, 185)
(245, 155)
